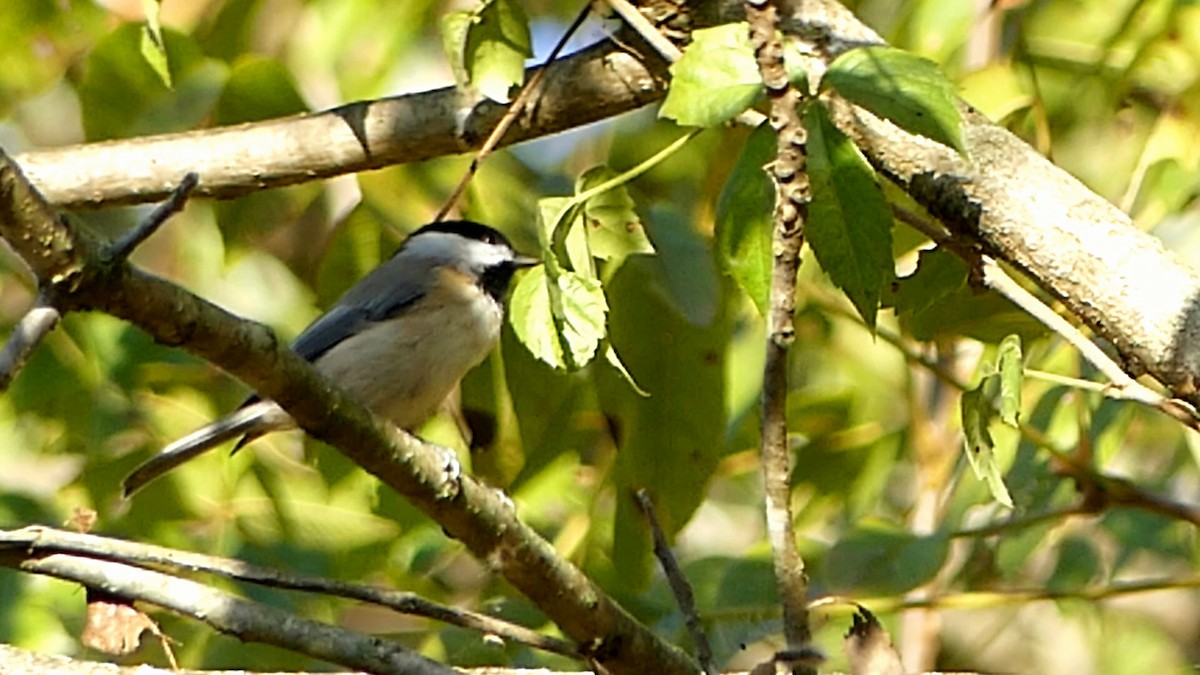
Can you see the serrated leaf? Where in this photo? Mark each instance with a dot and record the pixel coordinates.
(613, 227)
(745, 215)
(938, 274)
(579, 310)
(907, 89)
(849, 222)
(715, 80)
(978, 411)
(1012, 376)
(498, 42)
(153, 48)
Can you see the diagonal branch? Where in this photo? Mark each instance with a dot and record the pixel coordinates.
(479, 516)
(44, 541)
(246, 619)
(590, 85)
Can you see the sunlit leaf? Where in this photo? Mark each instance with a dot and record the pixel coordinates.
(613, 227)
(978, 410)
(902, 87)
(715, 80)
(582, 317)
(487, 47)
(849, 222)
(153, 48)
(1012, 375)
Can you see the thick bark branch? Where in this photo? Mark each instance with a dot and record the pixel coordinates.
(479, 516)
(1024, 210)
(590, 85)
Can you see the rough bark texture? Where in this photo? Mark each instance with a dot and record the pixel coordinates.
(590, 85)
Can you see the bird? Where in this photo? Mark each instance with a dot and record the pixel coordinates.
(399, 340)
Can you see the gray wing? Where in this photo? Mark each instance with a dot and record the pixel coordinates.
(380, 295)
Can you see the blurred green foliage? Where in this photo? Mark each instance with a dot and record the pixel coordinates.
(886, 505)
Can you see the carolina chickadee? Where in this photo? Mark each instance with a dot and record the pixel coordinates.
(399, 340)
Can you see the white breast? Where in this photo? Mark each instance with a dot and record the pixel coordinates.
(403, 368)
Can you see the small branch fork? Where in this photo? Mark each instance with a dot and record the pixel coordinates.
(791, 207)
(46, 312)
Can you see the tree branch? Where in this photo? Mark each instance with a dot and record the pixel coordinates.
(590, 85)
(791, 209)
(44, 540)
(229, 614)
(479, 516)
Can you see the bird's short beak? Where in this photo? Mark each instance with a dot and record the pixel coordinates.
(525, 261)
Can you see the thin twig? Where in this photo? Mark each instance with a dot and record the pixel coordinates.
(649, 32)
(679, 584)
(161, 213)
(229, 614)
(510, 115)
(29, 333)
(791, 210)
(44, 540)
(1123, 386)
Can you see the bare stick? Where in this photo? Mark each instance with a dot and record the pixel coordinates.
(44, 540)
(245, 619)
(29, 333)
(161, 213)
(514, 109)
(791, 209)
(649, 32)
(679, 584)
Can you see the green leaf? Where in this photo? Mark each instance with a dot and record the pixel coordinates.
(454, 27)
(613, 227)
(688, 274)
(258, 88)
(745, 216)
(579, 309)
(939, 273)
(496, 46)
(1012, 375)
(152, 46)
(984, 316)
(849, 222)
(715, 80)
(879, 558)
(978, 410)
(671, 441)
(119, 96)
(902, 87)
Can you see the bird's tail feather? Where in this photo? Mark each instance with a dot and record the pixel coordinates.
(250, 421)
